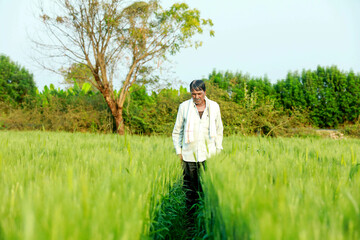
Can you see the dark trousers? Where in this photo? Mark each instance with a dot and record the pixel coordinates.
(192, 185)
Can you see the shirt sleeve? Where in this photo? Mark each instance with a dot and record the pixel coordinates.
(219, 130)
(178, 131)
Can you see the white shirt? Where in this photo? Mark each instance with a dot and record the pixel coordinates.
(203, 145)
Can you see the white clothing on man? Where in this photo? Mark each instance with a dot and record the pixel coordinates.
(198, 138)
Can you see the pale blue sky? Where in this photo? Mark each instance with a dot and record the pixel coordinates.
(257, 37)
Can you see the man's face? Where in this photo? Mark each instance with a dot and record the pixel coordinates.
(198, 96)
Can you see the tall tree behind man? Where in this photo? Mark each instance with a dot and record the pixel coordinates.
(110, 36)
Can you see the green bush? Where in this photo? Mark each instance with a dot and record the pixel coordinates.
(83, 114)
(253, 116)
(352, 130)
(329, 96)
(15, 82)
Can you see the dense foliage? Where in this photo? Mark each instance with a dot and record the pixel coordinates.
(15, 81)
(330, 96)
(53, 109)
(81, 109)
(325, 97)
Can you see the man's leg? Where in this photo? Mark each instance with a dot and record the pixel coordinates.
(189, 188)
(192, 185)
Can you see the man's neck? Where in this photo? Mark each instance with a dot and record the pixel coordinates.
(201, 106)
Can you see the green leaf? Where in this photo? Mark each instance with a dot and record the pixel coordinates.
(85, 88)
(354, 169)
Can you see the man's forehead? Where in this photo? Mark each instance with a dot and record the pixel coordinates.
(193, 91)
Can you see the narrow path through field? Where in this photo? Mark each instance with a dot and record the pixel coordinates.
(171, 221)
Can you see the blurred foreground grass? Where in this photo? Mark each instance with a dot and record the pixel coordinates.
(82, 186)
(91, 186)
(284, 188)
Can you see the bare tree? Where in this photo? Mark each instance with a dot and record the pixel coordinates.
(107, 35)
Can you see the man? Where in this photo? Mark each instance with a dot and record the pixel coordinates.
(197, 135)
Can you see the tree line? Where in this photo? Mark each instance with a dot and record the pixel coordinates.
(325, 97)
(329, 96)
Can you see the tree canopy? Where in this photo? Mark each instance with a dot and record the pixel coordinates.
(15, 81)
(77, 73)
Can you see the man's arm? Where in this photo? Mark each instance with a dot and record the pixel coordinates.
(219, 131)
(178, 131)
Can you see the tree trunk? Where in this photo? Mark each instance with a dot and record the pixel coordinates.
(116, 111)
(120, 127)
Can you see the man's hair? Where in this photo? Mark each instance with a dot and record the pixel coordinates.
(197, 85)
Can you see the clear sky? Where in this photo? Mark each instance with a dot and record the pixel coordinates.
(258, 37)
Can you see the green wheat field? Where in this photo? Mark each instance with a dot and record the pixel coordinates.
(56, 185)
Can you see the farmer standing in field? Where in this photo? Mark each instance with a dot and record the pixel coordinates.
(197, 135)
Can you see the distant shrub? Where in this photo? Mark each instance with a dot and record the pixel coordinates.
(80, 114)
(352, 130)
(251, 116)
(15, 82)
